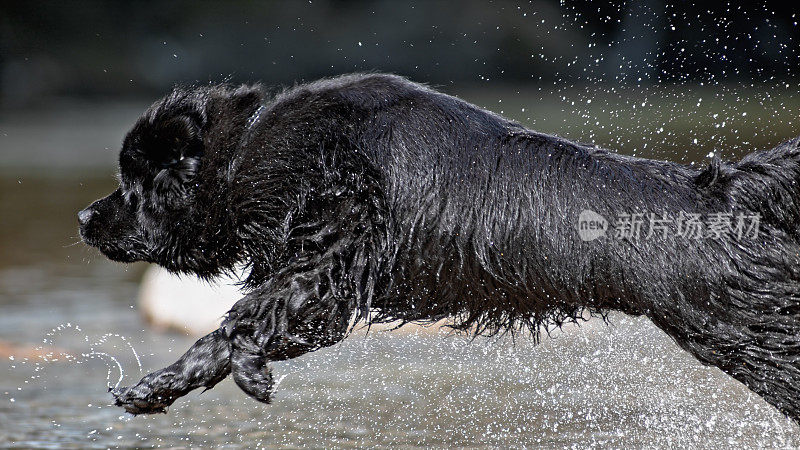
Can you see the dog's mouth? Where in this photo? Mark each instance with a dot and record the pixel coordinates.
(118, 254)
(124, 250)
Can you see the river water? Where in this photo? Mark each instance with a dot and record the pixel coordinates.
(622, 384)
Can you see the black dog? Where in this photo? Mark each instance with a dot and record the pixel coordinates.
(368, 197)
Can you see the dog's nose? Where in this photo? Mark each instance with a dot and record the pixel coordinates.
(84, 216)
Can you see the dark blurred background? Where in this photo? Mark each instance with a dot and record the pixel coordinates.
(662, 79)
(114, 49)
(673, 80)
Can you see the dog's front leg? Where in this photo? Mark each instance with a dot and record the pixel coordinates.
(300, 310)
(205, 364)
(280, 323)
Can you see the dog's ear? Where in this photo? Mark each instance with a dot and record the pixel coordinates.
(175, 147)
(173, 184)
(171, 140)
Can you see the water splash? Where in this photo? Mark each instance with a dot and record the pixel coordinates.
(93, 353)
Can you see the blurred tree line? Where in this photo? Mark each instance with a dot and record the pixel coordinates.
(121, 48)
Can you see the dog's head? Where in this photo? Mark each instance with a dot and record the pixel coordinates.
(169, 168)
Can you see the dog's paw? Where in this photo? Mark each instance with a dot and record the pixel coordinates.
(140, 399)
(256, 383)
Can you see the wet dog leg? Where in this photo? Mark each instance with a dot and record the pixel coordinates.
(205, 364)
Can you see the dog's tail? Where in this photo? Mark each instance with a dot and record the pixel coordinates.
(765, 182)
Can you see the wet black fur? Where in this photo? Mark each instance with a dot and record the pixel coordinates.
(371, 197)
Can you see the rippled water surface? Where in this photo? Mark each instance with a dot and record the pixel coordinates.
(620, 385)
